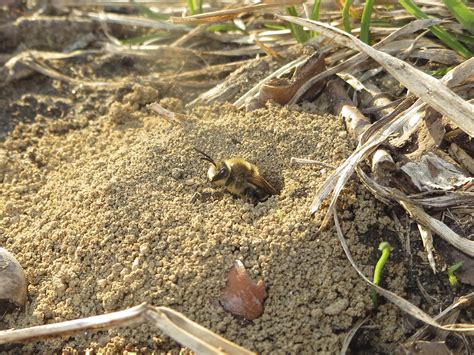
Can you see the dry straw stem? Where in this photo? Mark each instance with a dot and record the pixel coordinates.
(427, 239)
(227, 14)
(418, 214)
(428, 88)
(169, 115)
(172, 323)
(451, 312)
(399, 301)
(355, 122)
(384, 128)
(425, 223)
(447, 199)
(361, 57)
(31, 60)
(135, 21)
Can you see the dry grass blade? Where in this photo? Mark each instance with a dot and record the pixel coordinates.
(462, 73)
(191, 334)
(359, 58)
(460, 303)
(172, 323)
(227, 14)
(339, 178)
(373, 136)
(208, 71)
(403, 304)
(452, 199)
(135, 21)
(427, 239)
(30, 61)
(284, 69)
(418, 214)
(428, 88)
(350, 335)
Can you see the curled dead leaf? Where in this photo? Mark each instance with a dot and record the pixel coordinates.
(282, 90)
(242, 296)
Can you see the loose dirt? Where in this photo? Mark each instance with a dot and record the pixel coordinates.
(109, 213)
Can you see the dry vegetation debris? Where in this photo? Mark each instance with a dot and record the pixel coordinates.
(105, 185)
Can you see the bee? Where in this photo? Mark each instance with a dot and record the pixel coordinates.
(239, 177)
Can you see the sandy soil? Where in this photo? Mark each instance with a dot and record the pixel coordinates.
(108, 213)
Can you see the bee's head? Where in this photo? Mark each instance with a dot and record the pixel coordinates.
(218, 171)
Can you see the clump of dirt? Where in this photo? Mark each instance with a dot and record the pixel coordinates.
(108, 213)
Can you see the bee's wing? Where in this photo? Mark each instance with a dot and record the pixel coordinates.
(260, 182)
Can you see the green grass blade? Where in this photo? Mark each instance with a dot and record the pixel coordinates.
(145, 11)
(315, 14)
(315, 10)
(191, 8)
(462, 13)
(438, 31)
(297, 31)
(346, 16)
(441, 71)
(223, 27)
(197, 6)
(273, 26)
(365, 21)
(145, 38)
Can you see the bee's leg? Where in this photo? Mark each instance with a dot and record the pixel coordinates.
(261, 195)
(252, 195)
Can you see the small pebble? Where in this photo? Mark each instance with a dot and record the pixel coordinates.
(336, 307)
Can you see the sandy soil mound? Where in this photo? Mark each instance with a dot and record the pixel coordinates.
(107, 214)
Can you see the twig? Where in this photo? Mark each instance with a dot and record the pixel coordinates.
(172, 323)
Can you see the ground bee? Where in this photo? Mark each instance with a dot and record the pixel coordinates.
(239, 177)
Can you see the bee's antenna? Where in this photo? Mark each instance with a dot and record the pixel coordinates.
(206, 157)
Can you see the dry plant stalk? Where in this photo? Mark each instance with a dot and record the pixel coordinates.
(361, 57)
(403, 304)
(172, 323)
(228, 14)
(429, 89)
(433, 92)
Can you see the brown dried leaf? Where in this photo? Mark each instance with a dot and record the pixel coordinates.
(282, 90)
(425, 136)
(242, 296)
